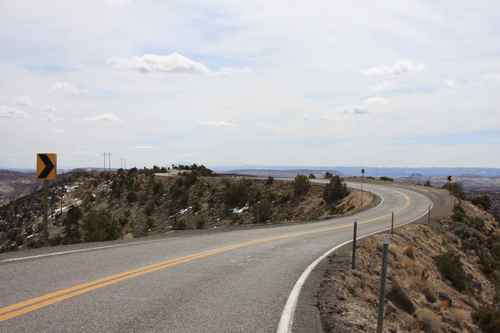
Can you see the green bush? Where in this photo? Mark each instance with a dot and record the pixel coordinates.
(458, 214)
(495, 248)
(482, 201)
(269, 181)
(450, 266)
(237, 193)
(455, 189)
(132, 197)
(158, 188)
(386, 179)
(334, 191)
(150, 208)
(312, 176)
(488, 319)
(179, 225)
(99, 226)
(71, 225)
(263, 211)
(301, 185)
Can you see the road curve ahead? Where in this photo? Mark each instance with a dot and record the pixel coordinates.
(237, 281)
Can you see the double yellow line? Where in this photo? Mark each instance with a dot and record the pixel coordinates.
(24, 307)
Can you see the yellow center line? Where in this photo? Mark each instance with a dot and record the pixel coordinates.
(24, 307)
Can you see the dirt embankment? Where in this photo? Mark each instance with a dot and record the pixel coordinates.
(441, 278)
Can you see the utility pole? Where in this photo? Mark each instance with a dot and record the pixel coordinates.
(104, 166)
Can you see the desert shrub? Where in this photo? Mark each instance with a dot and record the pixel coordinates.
(450, 266)
(149, 223)
(200, 222)
(301, 185)
(269, 181)
(179, 224)
(334, 191)
(312, 176)
(132, 197)
(410, 252)
(99, 226)
(427, 183)
(455, 189)
(263, 211)
(488, 319)
(158, 188)
(149, 209)
(458, 214)
(283, 199)
(328, 175)
(71, 225)
(482, 201)
(495, 249)
(236, 194)
(488, 263)
(428, 320)
(386, 179)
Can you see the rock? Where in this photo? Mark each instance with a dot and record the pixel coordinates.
(445, 300)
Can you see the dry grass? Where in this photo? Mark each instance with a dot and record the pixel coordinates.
(410, 252)
(429, 321)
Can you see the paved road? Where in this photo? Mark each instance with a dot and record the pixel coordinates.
(236, 281)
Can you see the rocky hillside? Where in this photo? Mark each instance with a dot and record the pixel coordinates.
(98, 206)
(441, 278)
(15, 184)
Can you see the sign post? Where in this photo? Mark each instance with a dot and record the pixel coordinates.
(46, 169)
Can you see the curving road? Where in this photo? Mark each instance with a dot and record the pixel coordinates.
(236, 281)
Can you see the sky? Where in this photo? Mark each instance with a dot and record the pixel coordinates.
(372, 83)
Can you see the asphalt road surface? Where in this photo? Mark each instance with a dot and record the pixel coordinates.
(236, 281)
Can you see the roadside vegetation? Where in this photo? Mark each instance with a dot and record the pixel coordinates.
(102, 206)
(443, 277)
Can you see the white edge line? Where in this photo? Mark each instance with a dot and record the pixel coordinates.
(287, 316)
(89, 249)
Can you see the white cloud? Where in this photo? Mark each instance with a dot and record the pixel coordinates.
(143, 147)
(376, 100)
(9, 112)
(233, 70)
(493, 76)
(217, 123)
(49, 114)
(23, 101)
(150, 63)
(356, 110)
(400, 68)
(105, 117)
(452, 84)
(66, 88)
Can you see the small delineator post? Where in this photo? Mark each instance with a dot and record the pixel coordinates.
(383, 276)
(354, 238)
(392, 223)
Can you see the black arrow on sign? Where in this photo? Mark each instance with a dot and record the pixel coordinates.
(49, 166)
